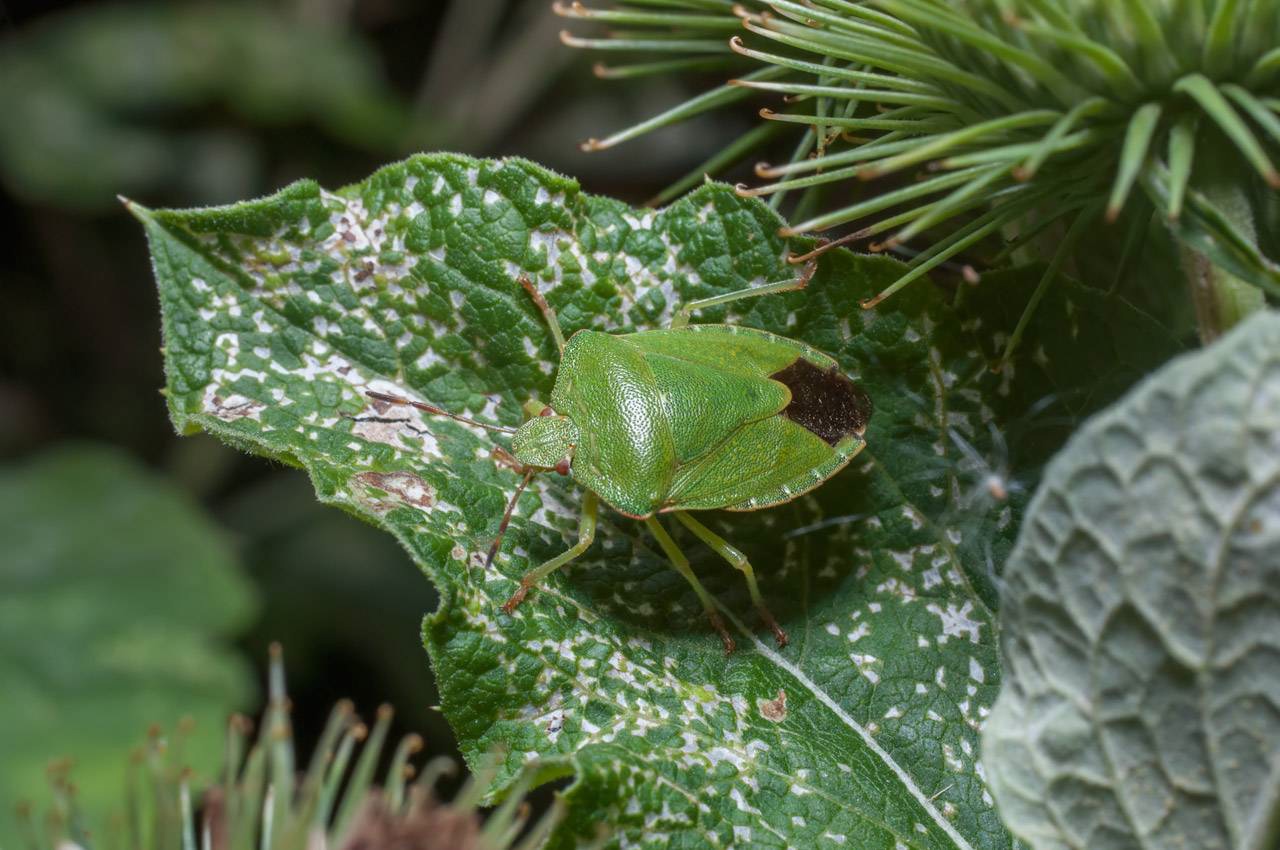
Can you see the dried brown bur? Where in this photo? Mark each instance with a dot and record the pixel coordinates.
(428, 823)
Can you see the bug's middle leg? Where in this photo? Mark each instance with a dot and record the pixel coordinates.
(681, 563)
(682, 315)
(586, 534)
(734, 556)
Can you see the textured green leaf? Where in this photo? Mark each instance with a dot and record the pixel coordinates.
(1141, 642)
(279, 313)
(114, 593)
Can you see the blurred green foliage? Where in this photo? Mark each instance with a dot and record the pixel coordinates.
(94, 101)
(116, 596)
(343, 599)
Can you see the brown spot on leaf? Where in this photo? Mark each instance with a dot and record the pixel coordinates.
(407, 488)
(824, 401)
(236, 407)
(774, 709)
(384, 429)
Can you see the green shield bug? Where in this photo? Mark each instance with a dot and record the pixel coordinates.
(682, 419)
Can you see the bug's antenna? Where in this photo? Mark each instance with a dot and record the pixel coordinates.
(506, 517)
(435, 411)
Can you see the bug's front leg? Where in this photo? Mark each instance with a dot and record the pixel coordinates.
(681, 563)
(586, 533)
(735, 556)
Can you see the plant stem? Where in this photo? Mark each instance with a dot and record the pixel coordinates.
(1220, 298)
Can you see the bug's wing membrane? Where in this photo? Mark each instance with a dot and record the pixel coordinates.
(704, 404)
(764, 463)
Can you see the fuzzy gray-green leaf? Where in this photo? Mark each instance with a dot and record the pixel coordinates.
(1141, 618)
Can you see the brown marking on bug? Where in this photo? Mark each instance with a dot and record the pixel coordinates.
(774, 709)
(824, 401)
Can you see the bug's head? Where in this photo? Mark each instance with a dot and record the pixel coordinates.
(546, 442)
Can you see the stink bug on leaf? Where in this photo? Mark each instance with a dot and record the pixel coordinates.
(686, 418)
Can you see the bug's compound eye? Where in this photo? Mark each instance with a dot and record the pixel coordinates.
(546, 411)
(563, 466)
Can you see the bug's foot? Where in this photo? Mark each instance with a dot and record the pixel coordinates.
(516, 598)
(778, 633)
(718, 624)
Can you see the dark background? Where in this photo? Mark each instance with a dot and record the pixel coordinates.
(103, 107)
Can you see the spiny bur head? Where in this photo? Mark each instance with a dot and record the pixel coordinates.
(1003, 116)
(355, 809)
(1022, 108)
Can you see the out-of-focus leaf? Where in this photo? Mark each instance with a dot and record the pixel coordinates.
(115, 593)
(1141, 618)
(280, 313)
(342, 597)
(94, 100)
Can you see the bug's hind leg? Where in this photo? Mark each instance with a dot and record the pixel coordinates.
(682, 315)
(586, 533)
(681, 563)
(735, 557)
